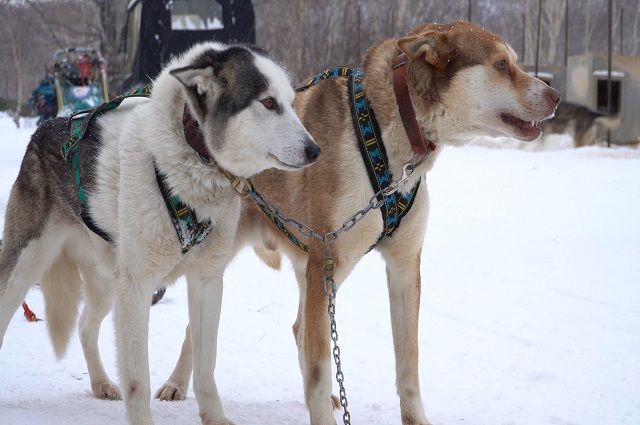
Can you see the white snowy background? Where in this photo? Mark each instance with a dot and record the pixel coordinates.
(530, 309)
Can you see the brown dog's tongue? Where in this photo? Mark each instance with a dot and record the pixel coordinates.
(194, 136)
(419, 144)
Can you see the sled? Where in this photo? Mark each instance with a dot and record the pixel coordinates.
(75, 80)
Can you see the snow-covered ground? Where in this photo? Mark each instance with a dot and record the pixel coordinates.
(530, 309)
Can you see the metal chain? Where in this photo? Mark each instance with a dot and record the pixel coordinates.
(331, 289)
(243, 187)
(375, 202)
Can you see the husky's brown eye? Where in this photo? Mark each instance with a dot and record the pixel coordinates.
(501, 65)
(269, 103)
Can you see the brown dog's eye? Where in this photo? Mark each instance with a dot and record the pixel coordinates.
(269, 103)
(501, 65)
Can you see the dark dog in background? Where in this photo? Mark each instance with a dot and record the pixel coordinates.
(581, 122)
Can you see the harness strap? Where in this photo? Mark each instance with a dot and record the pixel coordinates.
(74, 157)
(70, 151)
(78, 132)
(189, 230)
(335, 72)
(375, 157)
(279, 224)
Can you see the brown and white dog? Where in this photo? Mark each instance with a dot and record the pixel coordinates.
(463, 81)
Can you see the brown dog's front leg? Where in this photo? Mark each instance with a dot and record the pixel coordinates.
(317, 358)
(403, 278)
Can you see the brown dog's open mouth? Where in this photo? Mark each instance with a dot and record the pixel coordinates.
(526, 130)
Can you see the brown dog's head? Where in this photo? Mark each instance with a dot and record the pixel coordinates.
(469, 76)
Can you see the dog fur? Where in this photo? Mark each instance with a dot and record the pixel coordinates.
(463, 81)
(581, 122)
(235, 93)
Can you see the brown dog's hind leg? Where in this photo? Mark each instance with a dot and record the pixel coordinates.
(177, 385)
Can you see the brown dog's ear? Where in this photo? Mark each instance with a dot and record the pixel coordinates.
(433, 46)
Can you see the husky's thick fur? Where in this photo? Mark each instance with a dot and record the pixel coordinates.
(463, 81)
(581, 122)
(243, 102)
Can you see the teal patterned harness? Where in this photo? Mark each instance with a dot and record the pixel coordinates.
(189, 230)
(373, 152)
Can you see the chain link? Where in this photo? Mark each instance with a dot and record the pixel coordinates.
(328, 239)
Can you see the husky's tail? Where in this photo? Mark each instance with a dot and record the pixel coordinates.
(610, 122)
(61, 289)
(3, 282)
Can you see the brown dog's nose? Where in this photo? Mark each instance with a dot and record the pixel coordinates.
(553, 96)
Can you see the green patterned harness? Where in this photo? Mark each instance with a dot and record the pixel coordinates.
(189, 230)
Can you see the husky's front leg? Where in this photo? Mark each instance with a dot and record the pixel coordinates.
(205, 299)
(132, 334)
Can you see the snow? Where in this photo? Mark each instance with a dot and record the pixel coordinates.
(195, 22)
(541, 74)
(530, 311)
(605, 73)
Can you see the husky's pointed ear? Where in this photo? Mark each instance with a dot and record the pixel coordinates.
(200, 86)
(433, 46)
(193, 77)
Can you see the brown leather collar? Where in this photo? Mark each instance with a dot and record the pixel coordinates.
(195, 139)
(419, 144)
(194, 136)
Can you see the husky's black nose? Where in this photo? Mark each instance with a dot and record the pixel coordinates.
(312, 151)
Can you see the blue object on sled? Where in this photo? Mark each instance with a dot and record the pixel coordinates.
(43, 99)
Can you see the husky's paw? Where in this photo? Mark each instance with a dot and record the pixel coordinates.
(171, 392)
(106, 391)
(335, 401)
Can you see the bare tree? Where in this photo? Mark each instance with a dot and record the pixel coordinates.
(589, 24)
(9, 12)
(635, 32)
(552, 26)
(503, 17)
(110, 28)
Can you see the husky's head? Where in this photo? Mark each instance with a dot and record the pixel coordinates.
(243, 102)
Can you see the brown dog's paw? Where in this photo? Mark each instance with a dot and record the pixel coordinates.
(225, 421)
(406, 420)
(171, 392)
(106, 391)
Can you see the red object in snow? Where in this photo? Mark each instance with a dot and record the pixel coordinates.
(28, 314)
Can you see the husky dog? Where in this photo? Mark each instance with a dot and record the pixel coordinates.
(240, 103)
(581, 122)
(463, 81)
